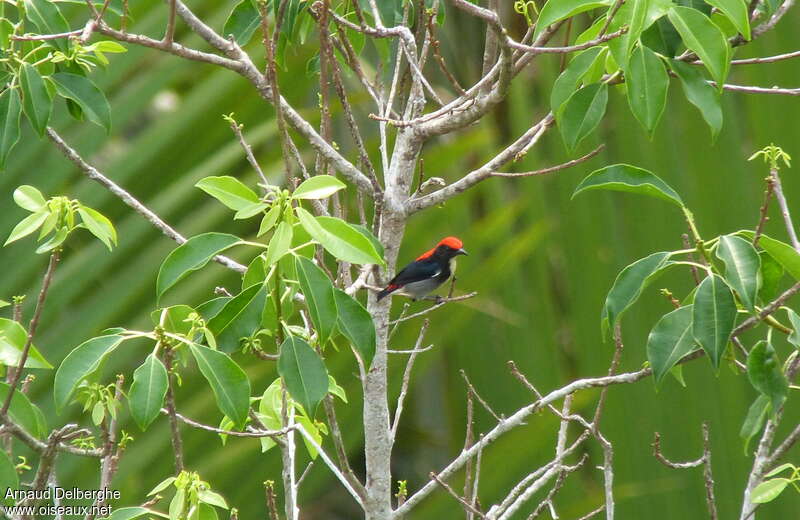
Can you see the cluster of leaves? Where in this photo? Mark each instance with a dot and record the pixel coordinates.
(769, 489)
(35, 72)
(738, 280)
(661, 37)
(56, 218)
(262, 312)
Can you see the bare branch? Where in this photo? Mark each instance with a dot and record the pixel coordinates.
(455, 495)
(551, 169)
(94, 174)
(407, 378)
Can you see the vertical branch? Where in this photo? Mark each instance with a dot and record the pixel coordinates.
(169, 34)
(37, 314)
(169, 404)
(787, 218)
(111, 452)
(288, 455)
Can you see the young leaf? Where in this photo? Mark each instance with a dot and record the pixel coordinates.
(700, 34)
(27, 226)
(355, 322)
(647, 82)
(700, 94)
(12, 342)
(10, 111)
(568, 80)
(624, 177)
(28, 197)
(794, 319)
(303, 372)
(270, 219)
(557, 10)
(229, 190)
(147, 393)
(82, 91)
(320, 299)
(98, 225)
(190, 256)
(736, 12)
(228, 381)
(36, 98)
(242, 22)
(714, 316)
(335, 389)
(581, 113)
(670, 340)
(769, 490)
(754, 421)
(339, 238)
(173, 319)
(279, 244)
(629, 285)
(239, 318)
(765, 374)
(56, 240)
(250, 211)
(79, 364)
(742, 265)
(318, 187)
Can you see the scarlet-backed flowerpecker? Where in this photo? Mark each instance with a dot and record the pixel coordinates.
(430, 270)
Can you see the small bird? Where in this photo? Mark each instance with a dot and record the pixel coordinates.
(430, 270)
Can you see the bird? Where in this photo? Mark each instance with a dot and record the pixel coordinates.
(430, 270)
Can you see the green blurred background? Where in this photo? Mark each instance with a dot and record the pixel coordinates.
(541, 263)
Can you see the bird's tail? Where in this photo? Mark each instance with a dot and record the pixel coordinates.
(386, 292)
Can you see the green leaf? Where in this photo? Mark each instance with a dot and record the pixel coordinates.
(229, 190)
(82, 91)
(557, 10)
(10, 111)
(8, 475)
(190, 256)
(339, 238)
(303, 372)
(320, 299)
(27, 226)
(765, 374)
(279, 244)
(23, 412)
(670, 340)
(239, 318)
(647, 83)
(779, 469)
(769, 490)
(98, 225)
(228, 381)
(243, 22)
(36, 98)
(146, 397)
(335, 389)
(12, 342)
(318, 187)
(781, 252)
(700, 94)
(568, 80)
(794, 319)
(662, 38)
(48, 18)
(270, 219)
(4, 303)
(79, 364)
(161, 486)
(355, 323)
(754, 420)
(56, 240)
(714, 317)
(173, 319)
(742, 265)
(210, 497)
(703, 37)
(629, 285)
(28, 197)
(624, 177)
(771, 274)
(250, 211)
(736, 12)
(581, 113)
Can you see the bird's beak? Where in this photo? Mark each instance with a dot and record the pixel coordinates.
(461, 252)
